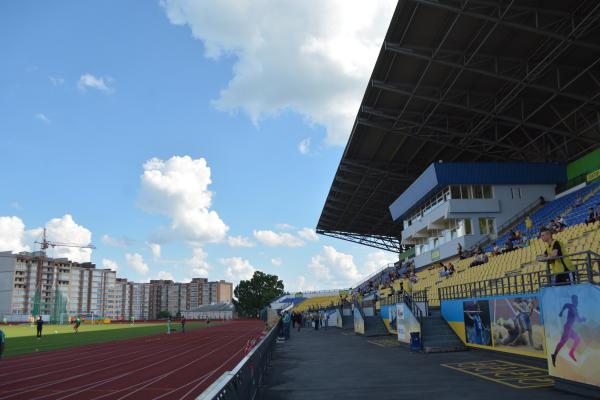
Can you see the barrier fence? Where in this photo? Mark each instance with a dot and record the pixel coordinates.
(587, 270)
(243, 382)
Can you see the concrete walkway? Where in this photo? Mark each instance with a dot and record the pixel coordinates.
(336, 364)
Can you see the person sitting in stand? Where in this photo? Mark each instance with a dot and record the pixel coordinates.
(480, 258)
(518, 242)
(443, 271)
(562, 224)
(512, 236)
(598, 212)
(459, 251)
(508, 246)
(578, 201)
(496, 250)
(591, 217)
(451, 269)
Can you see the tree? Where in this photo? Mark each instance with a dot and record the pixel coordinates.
(164, 314)
(255, 294)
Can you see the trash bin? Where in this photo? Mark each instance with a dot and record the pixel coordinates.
(415, 341)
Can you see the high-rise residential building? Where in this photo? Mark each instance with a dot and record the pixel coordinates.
(221, 292)
(81, 288)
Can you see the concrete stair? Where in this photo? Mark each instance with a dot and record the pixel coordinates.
(437, 336)
(374, 326)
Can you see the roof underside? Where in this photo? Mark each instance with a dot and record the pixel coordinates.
(467, 81)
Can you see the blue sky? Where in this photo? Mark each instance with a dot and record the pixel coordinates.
(220, 96)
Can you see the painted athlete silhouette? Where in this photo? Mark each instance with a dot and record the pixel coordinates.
(568, 332)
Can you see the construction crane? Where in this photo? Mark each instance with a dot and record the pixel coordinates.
(44, 245)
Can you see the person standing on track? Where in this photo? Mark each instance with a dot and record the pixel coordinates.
(2, 340)
(207, 322)
(169, 326)
(40, 324)
(182, 324)
(76, 324)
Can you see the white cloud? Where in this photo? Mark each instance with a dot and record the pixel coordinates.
(284, 226)
(377, 260)
(240, 241)
(277, 261)
(198, 263)
(313, 57)
(12, 235)
(165, 275)
(304, 146)
(237, 269)
(333, 268)
(308, 234)
(66, 230)
(110, 264)
(274, 239)
(116, 242)
(136, 261)
(42, 117)
(155, 248)
(178, 188)
(56, 80)
(89, 81)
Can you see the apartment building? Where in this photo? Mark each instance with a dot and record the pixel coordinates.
(84, 289)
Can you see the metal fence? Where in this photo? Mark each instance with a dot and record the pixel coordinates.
(587, 270)
(243, 382)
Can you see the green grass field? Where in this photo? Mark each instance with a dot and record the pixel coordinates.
(21, 339)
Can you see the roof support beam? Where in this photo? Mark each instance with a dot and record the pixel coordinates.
(516, 19)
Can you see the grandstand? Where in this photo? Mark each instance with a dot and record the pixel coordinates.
(477, 114)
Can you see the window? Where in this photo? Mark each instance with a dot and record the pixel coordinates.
(467, 226)
(486, 226)
(487, 191)
(478, 192)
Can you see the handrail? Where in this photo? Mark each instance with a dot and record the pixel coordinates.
(244, 380)
(587, 270)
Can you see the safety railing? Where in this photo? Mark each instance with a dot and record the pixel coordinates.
(243, 382)
(587, 270)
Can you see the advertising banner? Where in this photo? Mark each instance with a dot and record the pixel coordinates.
(517, 325)
(572, 329)
(477, 322)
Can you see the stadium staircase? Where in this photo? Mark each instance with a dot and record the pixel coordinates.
(374, 326)
(437, 336)
(347, 320)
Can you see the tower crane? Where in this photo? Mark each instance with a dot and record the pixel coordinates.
(44, 245)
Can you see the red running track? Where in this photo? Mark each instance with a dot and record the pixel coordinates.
(176, 366)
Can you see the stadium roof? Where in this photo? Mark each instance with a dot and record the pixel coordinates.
(466, 81)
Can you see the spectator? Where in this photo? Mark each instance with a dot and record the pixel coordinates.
(512, 236)
(560, 266)
(480, 258)
(443, 271)
(496, 249)
(598, 212)
(286, 325)
(561, 224)
(591, 217)
(508, 246)
(578, 201)
(459, 251)
(451, 269)
(528, 225)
